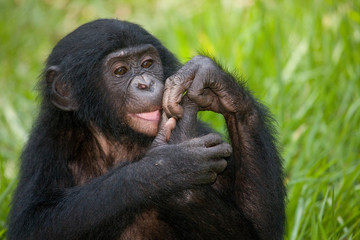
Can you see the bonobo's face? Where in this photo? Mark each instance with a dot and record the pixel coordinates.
(134, 77)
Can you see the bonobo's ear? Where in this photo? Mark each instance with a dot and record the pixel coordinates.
(61, 95)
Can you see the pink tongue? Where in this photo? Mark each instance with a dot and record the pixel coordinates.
(151, 116)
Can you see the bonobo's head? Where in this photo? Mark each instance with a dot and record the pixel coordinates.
(109, 74)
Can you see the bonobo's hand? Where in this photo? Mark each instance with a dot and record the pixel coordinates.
(192, 162)
(206, 84)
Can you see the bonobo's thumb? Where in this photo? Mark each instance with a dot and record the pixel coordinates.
(165, 128)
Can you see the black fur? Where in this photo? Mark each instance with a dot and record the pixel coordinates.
(70, 189)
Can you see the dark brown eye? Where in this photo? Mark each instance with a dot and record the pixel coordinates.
(120, 71)
(147, 63)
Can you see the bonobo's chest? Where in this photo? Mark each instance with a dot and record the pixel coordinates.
(148, 226)
(101, 155)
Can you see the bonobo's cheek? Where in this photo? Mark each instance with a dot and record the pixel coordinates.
(145, 123)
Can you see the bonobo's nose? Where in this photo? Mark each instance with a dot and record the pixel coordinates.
(144, 82)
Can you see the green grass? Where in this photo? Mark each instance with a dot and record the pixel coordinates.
(301, 58)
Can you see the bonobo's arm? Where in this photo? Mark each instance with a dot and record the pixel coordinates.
(68, 213)
(258, 188)
(202, 212)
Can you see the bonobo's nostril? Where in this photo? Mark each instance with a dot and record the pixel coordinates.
(144, 82)
(142, 86)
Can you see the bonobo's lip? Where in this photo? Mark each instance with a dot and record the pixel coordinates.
(149, 116)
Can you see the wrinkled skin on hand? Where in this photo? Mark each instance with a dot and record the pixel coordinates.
(198, 160)
(206, 84)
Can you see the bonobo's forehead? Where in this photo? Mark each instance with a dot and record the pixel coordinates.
(134, 51)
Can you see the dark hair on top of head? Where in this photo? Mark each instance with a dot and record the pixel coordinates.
(98, 38)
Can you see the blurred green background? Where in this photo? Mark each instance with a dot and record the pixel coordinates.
(301, 58)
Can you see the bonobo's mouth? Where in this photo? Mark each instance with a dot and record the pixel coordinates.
(149, 116)
(145, 122)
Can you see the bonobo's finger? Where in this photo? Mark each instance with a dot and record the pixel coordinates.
(169, 126)
(200, 92)
(166, 126)
(218, 166)
(172, 98)
(209, 178)
(222, 150)
(175, 87)
(209, 140)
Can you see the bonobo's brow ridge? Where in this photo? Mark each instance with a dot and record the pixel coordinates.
(131, 51)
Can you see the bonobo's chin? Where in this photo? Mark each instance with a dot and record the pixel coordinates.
(129, 136)
(146, 123)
